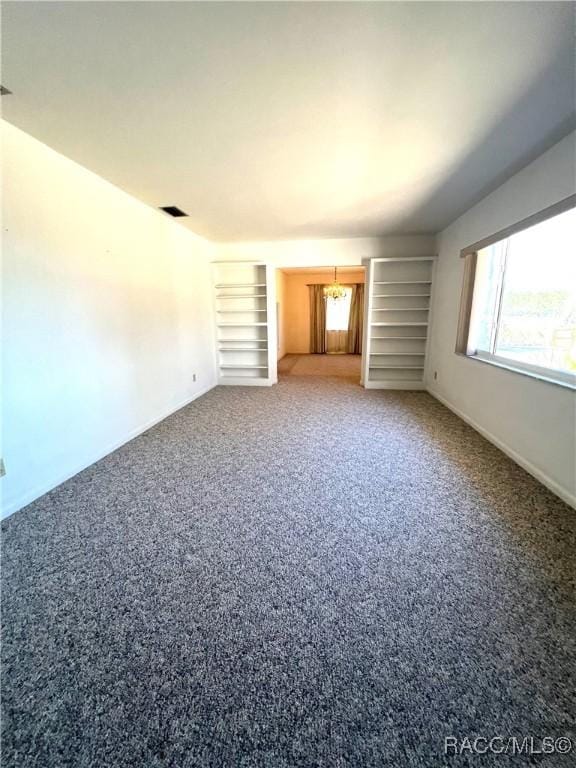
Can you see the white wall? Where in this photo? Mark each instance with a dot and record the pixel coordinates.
(533, 421)
(329, 252)
(107, 315)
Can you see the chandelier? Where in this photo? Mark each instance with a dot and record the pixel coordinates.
(334, 290)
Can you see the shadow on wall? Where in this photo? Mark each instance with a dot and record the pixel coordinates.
(502, 142)
(528, 117)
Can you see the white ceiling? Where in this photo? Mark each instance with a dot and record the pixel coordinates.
(292, 120)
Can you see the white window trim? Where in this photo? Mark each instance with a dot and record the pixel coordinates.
(469, 255)
(560, 378)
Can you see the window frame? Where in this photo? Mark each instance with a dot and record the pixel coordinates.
(470, 257)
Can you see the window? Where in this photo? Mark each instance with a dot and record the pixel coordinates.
(338, 312)
(522, 308)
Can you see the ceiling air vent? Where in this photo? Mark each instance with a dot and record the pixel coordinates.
(172, 210)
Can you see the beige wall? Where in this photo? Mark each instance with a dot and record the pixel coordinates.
(295, 319)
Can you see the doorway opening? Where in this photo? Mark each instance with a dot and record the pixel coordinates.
(320, 330)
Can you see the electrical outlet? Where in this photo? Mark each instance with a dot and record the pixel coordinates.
(2, 468)
(435, 375)
(193, 377)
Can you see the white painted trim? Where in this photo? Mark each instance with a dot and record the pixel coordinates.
(239, 381)
(552, 485)
(271, 329)
(549, 375)
(430, 328)
(408, 385)
(34, 494)
(406, 258)
(365, 362)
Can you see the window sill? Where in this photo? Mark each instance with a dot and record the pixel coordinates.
(509, 366)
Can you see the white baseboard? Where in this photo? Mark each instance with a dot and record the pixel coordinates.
(404, 385)
(552, 485)
(230, 381)
(35, 493)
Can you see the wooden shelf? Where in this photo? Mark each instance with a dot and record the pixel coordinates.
(403, 259)
(244, 304)
(241, 296)
(398, 362)
(405, 325)
(403, 282)
(240, 285)
(245, 367)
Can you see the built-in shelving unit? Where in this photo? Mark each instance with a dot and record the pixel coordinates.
(398, 314)
(244, 299)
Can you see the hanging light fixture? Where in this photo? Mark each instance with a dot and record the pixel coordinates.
(334, 290)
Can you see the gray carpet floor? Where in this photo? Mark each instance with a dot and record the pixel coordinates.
(307, 575)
